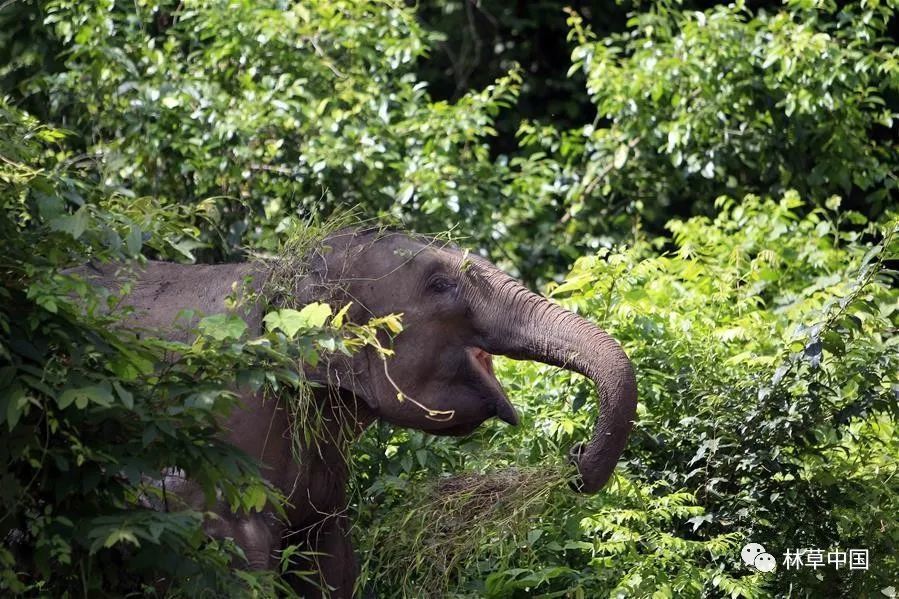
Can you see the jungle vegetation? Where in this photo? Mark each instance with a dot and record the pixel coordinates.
(714, 184)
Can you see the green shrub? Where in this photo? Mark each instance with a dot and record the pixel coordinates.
(259, 111)
(725, 101)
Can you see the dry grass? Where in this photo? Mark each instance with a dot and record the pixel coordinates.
(455, 523)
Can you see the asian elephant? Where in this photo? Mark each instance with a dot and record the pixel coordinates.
(458, 310)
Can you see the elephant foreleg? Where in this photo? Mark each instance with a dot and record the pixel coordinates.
(329, 556)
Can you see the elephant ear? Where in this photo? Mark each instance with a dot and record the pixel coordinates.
(329, 272)
(354, 375)
(351, 376)
(358, 372)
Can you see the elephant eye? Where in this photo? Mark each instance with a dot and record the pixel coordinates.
(441, 285)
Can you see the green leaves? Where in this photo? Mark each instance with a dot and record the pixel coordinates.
(73, 224)
(726, 101)
(291, 321)
(100, 395)
(12, 405)
(186, 121)
(222, 326)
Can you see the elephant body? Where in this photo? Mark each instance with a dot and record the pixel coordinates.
(315, 485)
(458, 310)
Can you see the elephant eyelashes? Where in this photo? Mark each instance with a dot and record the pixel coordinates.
(441, 285)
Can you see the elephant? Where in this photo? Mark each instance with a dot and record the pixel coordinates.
(458, 311)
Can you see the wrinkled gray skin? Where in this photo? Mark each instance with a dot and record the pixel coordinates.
(457, 311)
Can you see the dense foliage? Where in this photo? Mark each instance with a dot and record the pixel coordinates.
(715, 186)
(255, 111)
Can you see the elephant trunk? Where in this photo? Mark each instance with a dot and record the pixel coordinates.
(527, 326)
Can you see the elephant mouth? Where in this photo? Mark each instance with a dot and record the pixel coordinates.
(489, 393)
(503, 408)
(484, 360)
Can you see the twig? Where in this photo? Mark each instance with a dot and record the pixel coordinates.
(599, 177)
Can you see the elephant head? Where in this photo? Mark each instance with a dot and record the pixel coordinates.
(459, 310)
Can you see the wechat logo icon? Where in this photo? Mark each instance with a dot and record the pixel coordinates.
(755, 556)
